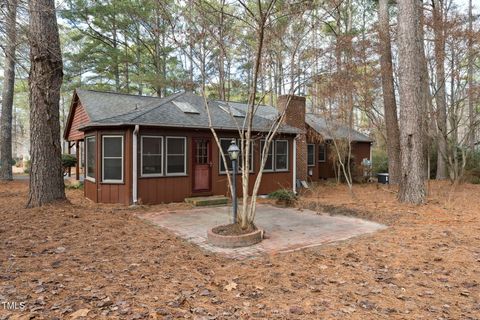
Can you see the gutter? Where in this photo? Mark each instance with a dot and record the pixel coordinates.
(135, 165)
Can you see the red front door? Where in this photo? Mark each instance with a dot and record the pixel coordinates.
(202, 164)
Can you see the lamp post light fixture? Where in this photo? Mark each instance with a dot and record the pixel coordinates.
(233, 152)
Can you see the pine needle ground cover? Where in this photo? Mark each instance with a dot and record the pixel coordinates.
(101, 261)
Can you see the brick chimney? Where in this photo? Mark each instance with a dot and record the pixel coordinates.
(295, 117)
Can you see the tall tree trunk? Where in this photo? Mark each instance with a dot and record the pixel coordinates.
(45, 80)
(8, 91)
(412, 108)
(440, 97)
(389, 103)
(471, 109)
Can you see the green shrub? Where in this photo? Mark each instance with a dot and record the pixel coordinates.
(69, 160)
(283, 195)
(26, 166)
(379, 161)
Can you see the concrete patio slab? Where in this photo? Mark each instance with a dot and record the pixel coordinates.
(287, 229)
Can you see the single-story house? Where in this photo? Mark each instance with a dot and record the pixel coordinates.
(157, 150)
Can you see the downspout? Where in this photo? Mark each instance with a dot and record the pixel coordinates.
(135, 165)
(294, 167)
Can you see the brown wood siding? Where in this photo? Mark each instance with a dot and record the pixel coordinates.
(79, 118)
(165, 189)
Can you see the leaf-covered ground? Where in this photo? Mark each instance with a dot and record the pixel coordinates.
(69, 261)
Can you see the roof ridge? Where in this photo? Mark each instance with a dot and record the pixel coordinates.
(120, 93)
(170, 98)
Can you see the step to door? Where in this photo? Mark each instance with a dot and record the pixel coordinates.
(207, 201)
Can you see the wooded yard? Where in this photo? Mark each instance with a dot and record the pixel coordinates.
(70, 259)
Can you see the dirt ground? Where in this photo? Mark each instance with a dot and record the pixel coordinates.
(66, 261)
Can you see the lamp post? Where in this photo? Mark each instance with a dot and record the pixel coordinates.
(233, 152)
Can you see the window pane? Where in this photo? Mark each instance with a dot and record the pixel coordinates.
(112, 147)
(152, 145)
(269, 161)
(112, 169)
(90, 148)
(281, 162)
(176, 155)
(311, 154)
(176, 145)
(322, 152)
(281, 155)
(225, 143)
(152, 164)
(175, 164)
(281, 147)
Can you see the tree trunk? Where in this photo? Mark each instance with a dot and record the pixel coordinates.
(45, 80)
(471, 108)
(440, 96)
(8, 91)
(390, 105)
(412, 108)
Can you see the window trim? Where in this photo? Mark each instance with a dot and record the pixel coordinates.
(87, 177)
(220, 160)
(324, 152)
(161, 174)
(288, 155)
(272, 148)
(113, 181)
(176, 174)
(313, 163)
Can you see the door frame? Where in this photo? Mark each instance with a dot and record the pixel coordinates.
(210, 163)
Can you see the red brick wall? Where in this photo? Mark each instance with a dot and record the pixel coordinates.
(295, 117)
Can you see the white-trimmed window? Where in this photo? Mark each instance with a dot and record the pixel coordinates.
(176, 156)
(281, 155)
(112, 159)
(269, 161)
(90, 155)
(225, 143)
(152, 156)
(322, 153)
(311, 155)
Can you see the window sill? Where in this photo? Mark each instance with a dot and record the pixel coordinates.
(112, 182)
(90, 179)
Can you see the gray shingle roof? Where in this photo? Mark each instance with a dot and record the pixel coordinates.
(331, 130)
(111, 109)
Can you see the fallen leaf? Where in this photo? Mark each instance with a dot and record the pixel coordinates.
(79, 313)
(231, 286)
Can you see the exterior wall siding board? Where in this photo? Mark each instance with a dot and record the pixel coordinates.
(165, 189)
(79, 119)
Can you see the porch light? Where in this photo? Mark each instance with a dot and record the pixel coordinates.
(233, 151)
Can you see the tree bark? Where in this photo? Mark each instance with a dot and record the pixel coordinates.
(412, 103)
(8, 91)
(440, 96)
(45, 80)
(389, 103)
(471, 108)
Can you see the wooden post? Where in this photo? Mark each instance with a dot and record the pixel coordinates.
(77, 166)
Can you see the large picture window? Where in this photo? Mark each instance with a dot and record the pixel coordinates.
(90, 155)
(176, 157)
(311, 155)
(112, 159)
(225, 143)
(152, 154)
(322, 153)
(269, 161)
(281, 155)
